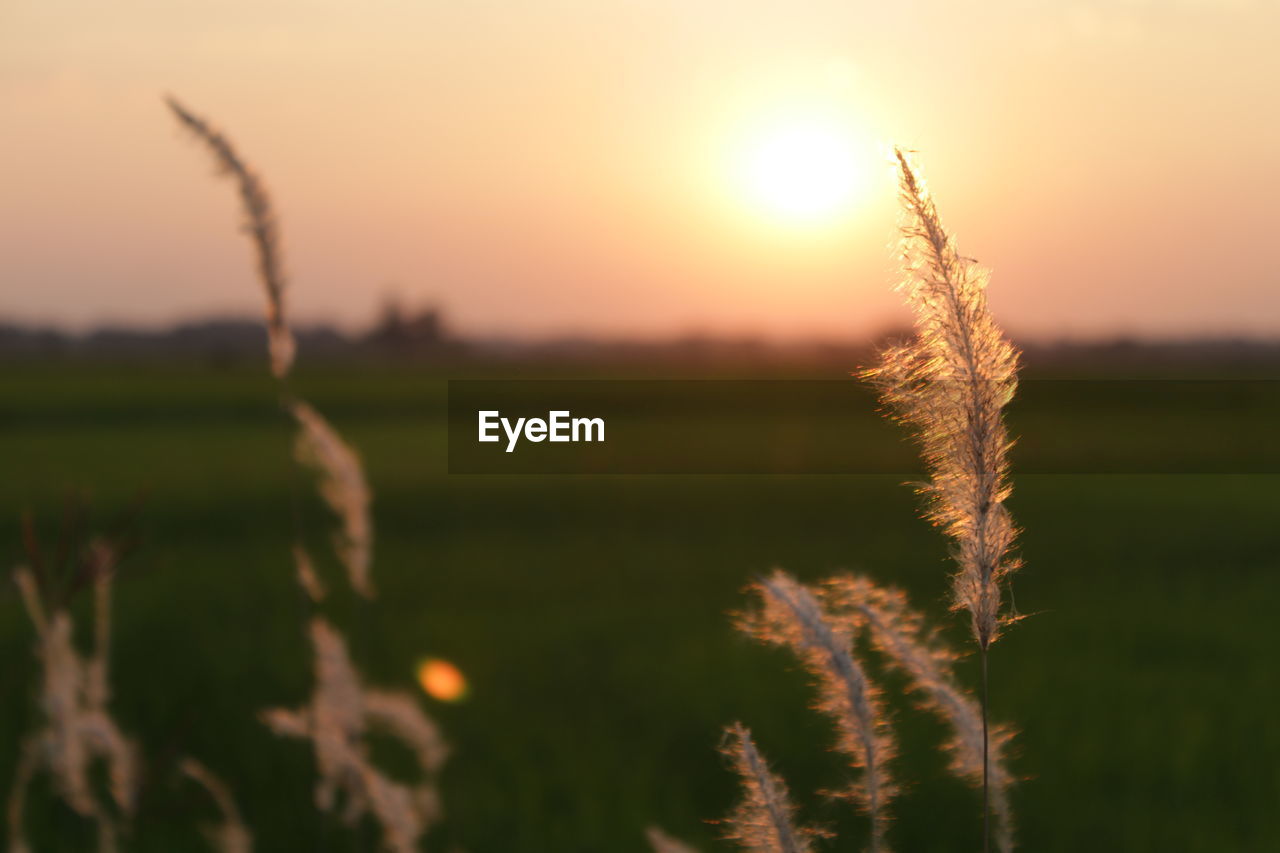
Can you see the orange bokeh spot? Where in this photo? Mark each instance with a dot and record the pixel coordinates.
(442, 680)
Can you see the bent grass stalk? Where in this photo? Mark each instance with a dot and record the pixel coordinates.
(341, 710)
(337, 466)
(764, 821)
(791, 616)
(260, 224)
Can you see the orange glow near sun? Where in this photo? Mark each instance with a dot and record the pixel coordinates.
(442, 680)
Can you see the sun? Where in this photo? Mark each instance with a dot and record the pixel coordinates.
(804, 171)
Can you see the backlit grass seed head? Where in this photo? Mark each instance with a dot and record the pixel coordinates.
(336, 721)
(260, 225)
(764, 821)
(75, 726)
(950, 386)
(343, 486)
(791, 616)
(899, 634)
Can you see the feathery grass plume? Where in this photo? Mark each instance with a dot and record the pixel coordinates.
(791, 616)
(663, 843)
(343, 487)
(261, 226)
(899, 633)
(336, 720)
(763, 821)
(76, 727)
(231, 835)
(950, 385)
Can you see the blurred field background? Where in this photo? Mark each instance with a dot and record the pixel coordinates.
(632, 171)
(590, 615)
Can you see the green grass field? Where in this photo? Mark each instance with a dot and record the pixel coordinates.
(591, 616)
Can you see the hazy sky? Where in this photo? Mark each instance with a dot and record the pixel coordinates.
(552, 166)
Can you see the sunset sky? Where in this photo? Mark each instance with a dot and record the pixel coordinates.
(655, 167)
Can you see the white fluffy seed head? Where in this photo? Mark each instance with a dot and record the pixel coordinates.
(764, 821)
(75, 728)
(950, 385)
(260, 225)
(341, 712)
(790, 615)
(343, 487)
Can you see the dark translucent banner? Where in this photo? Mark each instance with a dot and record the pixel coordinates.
(837, 427)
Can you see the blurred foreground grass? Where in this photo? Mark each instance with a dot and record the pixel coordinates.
(590, 616)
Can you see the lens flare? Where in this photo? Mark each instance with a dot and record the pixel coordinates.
(442, 680)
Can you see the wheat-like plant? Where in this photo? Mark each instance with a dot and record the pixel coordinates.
(764, 822)
(790, 615)
(231, 835)
(341, 709)
(340, 473)
(899, 633)
(260, 224)
(76, 726)
(950, 385)
(342, 484)
(336, 720)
